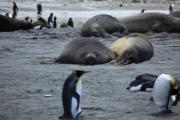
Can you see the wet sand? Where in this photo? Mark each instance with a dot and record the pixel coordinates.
(28, 74)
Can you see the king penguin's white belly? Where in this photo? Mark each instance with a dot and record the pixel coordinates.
(161, 90)
(51, 24)
(74, 102)
(37, 27)
(135, 88)
(74, 110)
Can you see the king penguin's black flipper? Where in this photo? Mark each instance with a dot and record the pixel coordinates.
(77, 96)
(167, 111)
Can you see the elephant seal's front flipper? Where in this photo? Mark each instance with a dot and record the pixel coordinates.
(120, 60)
(156, 27)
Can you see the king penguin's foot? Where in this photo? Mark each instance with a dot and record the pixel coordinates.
(175, 103)
(167, 112)
(78, 114)
(151, 99)
(62, 117)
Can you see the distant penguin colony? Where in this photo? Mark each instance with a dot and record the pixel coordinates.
(71, 95)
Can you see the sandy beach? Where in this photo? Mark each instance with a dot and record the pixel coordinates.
(31, 84)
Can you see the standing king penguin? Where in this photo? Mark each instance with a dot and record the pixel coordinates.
(165, 86)
(71, 95)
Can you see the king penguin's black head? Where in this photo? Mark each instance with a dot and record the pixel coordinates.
(79, 73)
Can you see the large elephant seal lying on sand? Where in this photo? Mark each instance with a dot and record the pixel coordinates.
(157, 22)
(134, 48)
(88, 51)
(8, 24)
(101, 26)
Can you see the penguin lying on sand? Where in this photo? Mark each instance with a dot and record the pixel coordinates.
(71, 94)
(142, 82)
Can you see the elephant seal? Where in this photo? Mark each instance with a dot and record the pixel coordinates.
(101, 26)
(133, 48)
(8, 24)
(157, 22)
(87, 51)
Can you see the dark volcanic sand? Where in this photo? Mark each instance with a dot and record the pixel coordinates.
(27, 75)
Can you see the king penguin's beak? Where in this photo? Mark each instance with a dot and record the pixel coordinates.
(128, 88)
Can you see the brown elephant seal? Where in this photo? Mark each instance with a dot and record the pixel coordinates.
(87, 51)
(101, 26)
(157, 22)
(8, 24)
(134, 48)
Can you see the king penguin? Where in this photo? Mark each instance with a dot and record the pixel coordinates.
(71, 95)
(165, 86)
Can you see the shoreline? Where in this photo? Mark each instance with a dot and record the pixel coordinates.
(78, 7)
(80, 11)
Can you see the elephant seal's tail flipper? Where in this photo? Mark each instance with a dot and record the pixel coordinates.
(119, 60)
